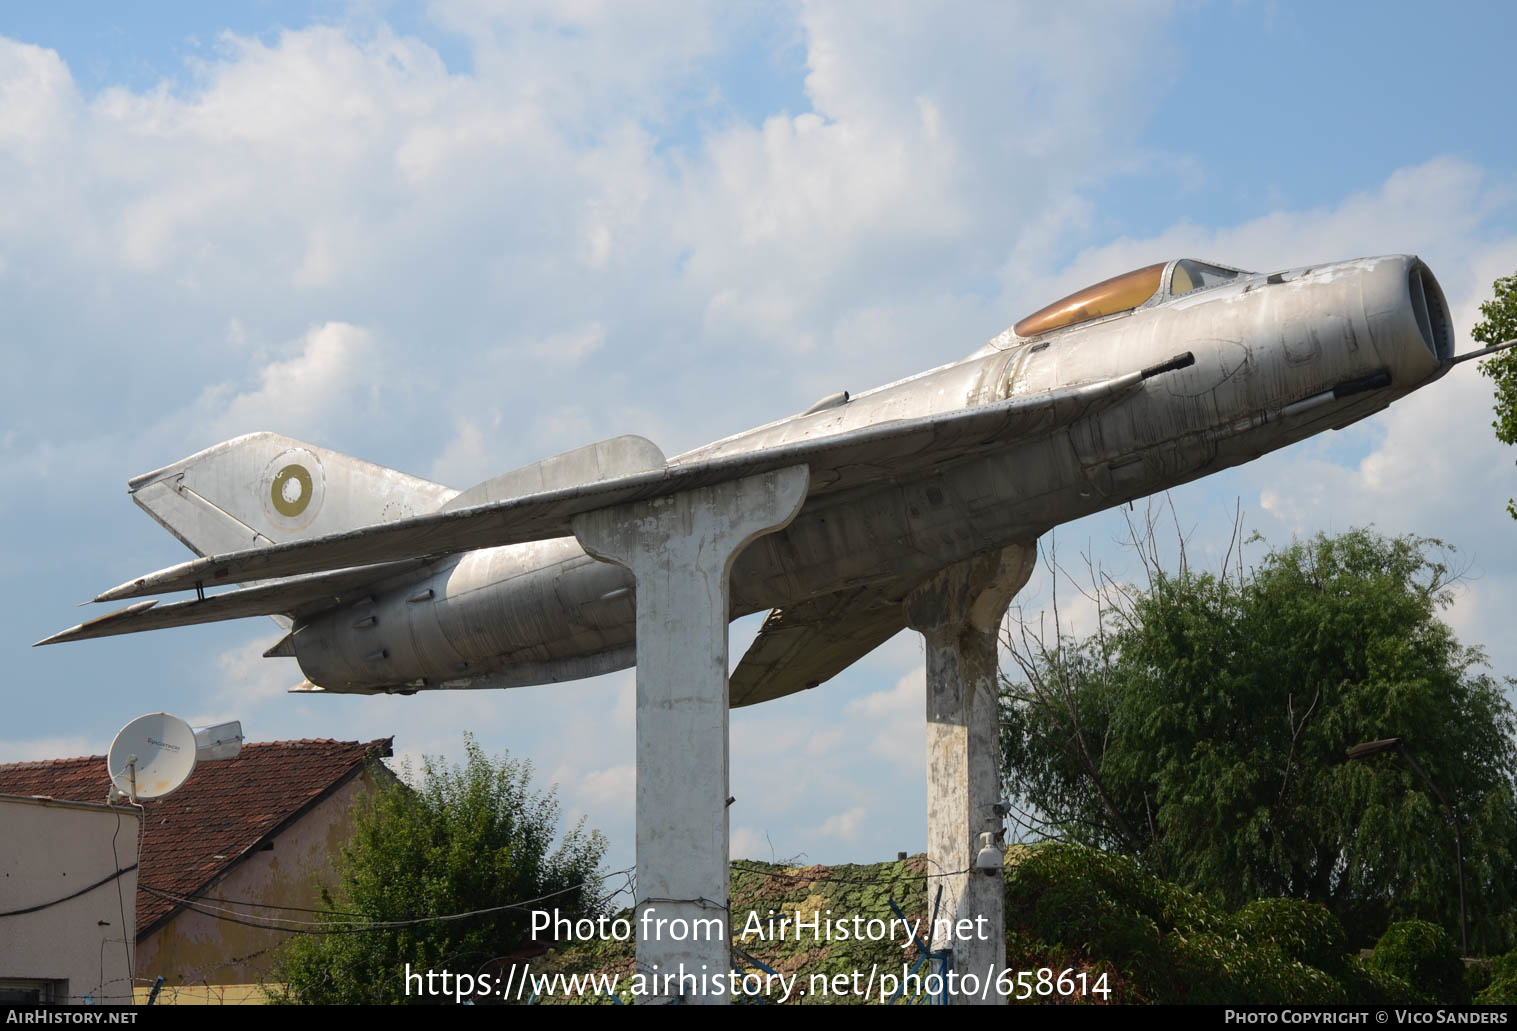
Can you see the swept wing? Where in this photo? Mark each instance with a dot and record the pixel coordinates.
(839, 462)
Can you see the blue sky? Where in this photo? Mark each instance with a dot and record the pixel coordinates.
(457, 237)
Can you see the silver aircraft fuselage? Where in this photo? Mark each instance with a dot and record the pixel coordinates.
(1276, 358)
(389, 583)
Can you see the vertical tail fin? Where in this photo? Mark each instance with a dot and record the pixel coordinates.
(265, 489)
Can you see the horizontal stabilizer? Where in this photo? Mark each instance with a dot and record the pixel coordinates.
(837, 462)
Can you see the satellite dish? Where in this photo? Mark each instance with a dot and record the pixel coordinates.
(152, 756)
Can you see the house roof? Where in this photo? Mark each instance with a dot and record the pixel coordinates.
(222, 813)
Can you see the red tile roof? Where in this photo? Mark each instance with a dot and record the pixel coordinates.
(225, 810)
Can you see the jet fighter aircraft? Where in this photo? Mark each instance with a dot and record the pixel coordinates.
(390, 583)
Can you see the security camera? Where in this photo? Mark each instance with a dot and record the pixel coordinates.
(989, 861)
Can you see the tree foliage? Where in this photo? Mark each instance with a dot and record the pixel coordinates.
(1422, 954)
(1070, 906)
(1120, 934)
(467, 838)
(1203, 728)
(1493, 982)
(1498, 324)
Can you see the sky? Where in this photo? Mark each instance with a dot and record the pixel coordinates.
(458, 237)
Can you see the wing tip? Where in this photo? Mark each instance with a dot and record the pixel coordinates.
(85, 630)
(120, 592)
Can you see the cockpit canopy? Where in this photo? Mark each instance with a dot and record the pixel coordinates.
(1124, 293)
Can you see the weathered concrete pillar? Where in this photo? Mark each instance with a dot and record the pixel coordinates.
(680, 550)
(959, 613)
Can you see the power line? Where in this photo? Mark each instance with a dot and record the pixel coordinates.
(126, 936)
(44, 905)
(204, 906)
(198, 897)
(292, 925)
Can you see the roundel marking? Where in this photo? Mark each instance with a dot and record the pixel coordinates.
(291, 490)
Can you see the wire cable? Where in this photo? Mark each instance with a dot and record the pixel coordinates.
(290, 924)
(126, 936)
(45, 905)
(198, 897)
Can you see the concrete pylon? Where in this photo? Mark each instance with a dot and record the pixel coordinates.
(680, 551)
(959, 612)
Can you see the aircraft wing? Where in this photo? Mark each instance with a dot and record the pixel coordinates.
(837, 462)
(808, 644)
(297, 596)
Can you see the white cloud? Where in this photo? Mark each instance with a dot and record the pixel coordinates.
(330, 380)
(749, 843)
(466, 459)
(570, 347)
(614, 787)
(246, 682)
(1434, 208)
(37, 100)
(327, 173)
(69, 746)
(627, 57)
(896, 720)
(844, 825)
(1056, 602)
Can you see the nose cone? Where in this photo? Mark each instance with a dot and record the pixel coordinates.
(1408, 319)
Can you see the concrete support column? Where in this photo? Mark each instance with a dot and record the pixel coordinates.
(959, 612)
(680, 550)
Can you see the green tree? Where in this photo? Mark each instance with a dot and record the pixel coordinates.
(467, 838)
(1498, 324)
(1203, 729)
(1424, 955)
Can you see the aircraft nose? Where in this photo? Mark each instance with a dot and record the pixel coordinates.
(1408, 319)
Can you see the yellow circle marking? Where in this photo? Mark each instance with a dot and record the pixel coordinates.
(291, 499)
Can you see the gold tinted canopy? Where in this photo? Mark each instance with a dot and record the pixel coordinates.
(1120, 293)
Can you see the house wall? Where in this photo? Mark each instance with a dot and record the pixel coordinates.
(50, 849)
(194, 948)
